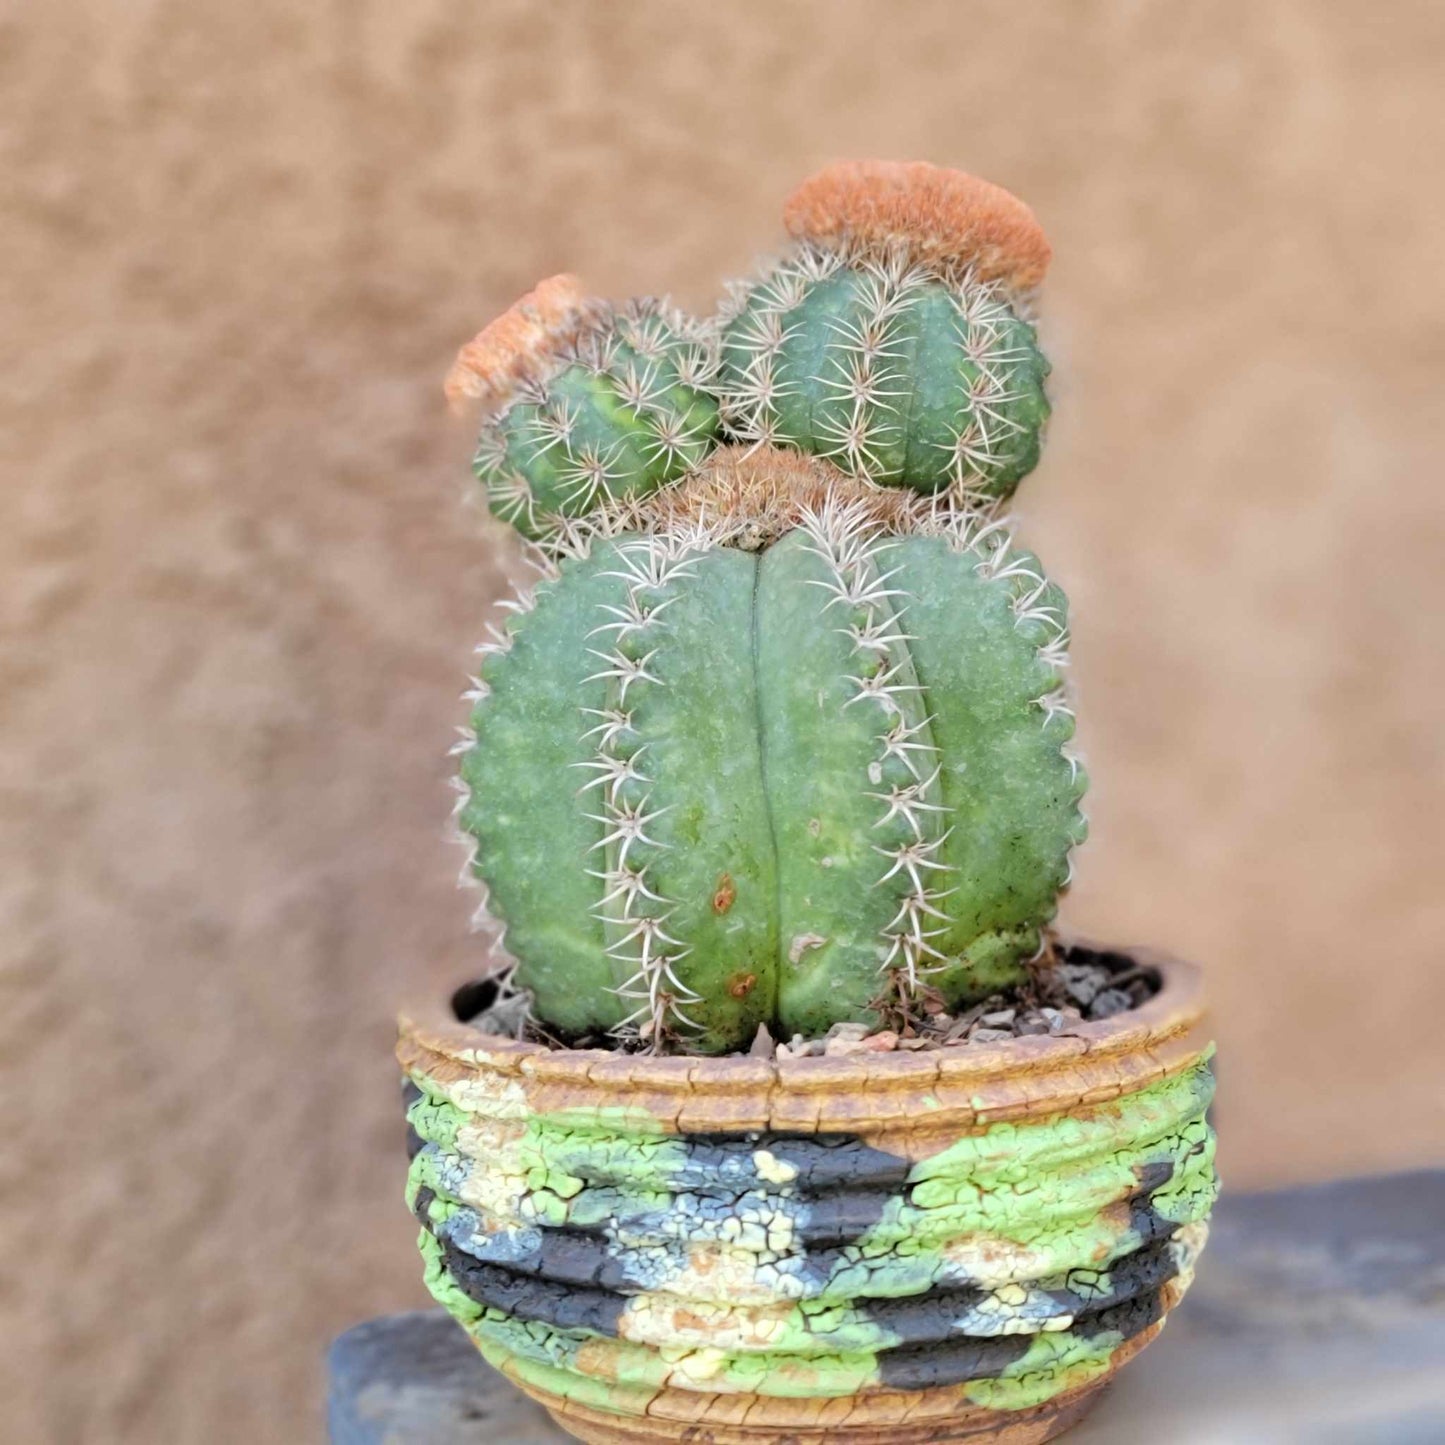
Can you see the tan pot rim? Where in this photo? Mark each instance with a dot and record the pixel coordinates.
(959, 1087)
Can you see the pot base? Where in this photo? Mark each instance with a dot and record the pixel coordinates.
(978, 1426)
(924, 1417)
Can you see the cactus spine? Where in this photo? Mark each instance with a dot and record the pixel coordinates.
(781, 736)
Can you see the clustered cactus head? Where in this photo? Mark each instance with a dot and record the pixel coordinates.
(893, 337)
(780, 738)
(585, 402)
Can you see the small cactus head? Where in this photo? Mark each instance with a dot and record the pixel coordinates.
(893, 338)
(584, 402)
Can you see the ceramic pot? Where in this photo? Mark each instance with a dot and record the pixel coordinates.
(962, 1244)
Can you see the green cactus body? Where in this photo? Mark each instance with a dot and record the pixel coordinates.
(889, 370)
(620, 409)
(718, 788)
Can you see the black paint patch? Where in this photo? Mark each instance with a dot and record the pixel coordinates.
(422, 1207)
(1142, 1216)
(570, 1257)
(1140, 1273)
(842, 1217)
(1129, 1319)
(576, 1258)
(821, 1162)
(931, 1318)
(924, 1367)
(528, 1298)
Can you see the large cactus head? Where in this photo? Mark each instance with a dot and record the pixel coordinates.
(893, 338)
(584, 402)
(775, 746)
(781, 738)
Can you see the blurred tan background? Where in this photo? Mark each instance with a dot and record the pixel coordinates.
(240, 245)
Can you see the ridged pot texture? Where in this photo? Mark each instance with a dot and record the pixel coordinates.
(961, 1244)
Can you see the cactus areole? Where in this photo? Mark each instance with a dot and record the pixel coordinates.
(780, 742)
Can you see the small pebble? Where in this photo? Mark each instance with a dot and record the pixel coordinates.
(763, 1045)
(800, 1048)
(1109, 1002)
(1001, 1019)
(989, 1036)
(884, 1042)
(1082, 981)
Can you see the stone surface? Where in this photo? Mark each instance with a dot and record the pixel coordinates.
(1318, 1318)
(241, 245)
(413, 1378)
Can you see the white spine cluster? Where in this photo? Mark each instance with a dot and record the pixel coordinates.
(864, 366)
(843, 537)
(632, 911)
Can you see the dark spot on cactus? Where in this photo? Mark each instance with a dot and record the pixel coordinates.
(740, 985)
(723, 898)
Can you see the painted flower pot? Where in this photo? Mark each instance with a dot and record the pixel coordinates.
(961, 1244)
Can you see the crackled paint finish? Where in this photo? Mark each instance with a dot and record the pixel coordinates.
(603, 1265)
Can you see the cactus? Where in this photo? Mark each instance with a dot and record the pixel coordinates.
(783, 749)
(894, 338)
(780, 739)
(585, 403)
